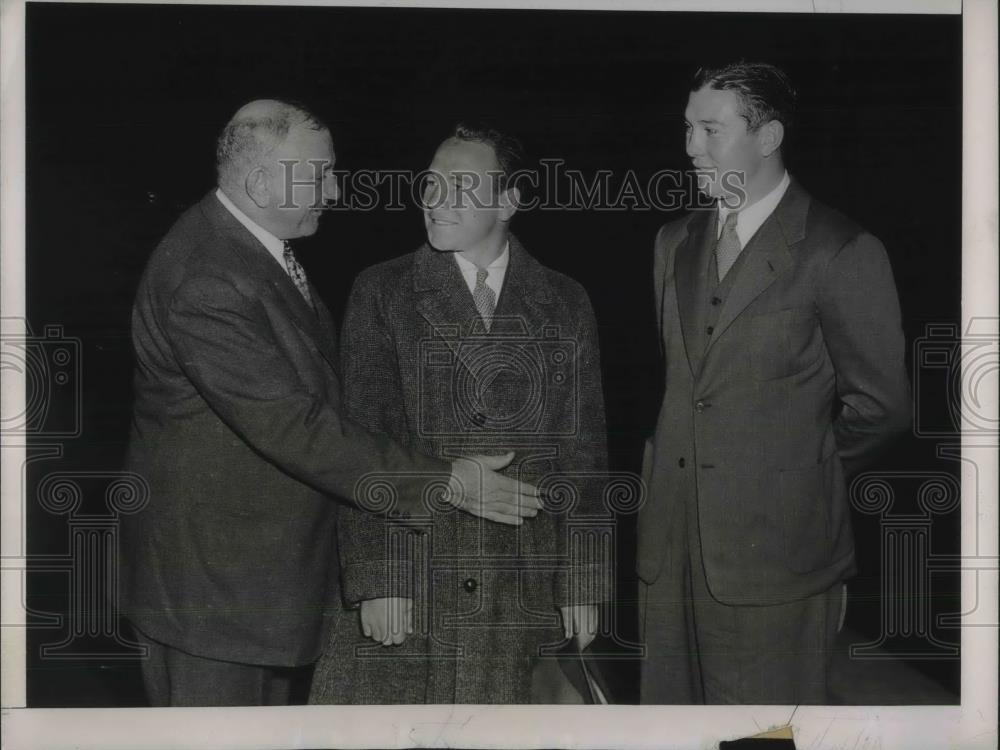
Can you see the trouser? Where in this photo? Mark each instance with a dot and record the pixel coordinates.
(176, 678)
(702, 651)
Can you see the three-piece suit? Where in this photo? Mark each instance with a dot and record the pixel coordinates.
(781, 381)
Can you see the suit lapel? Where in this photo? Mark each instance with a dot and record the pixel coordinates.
(767, 256)
(691, 280)
(328, 339)
(318, 325)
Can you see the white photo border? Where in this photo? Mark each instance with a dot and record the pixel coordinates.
(971, 725)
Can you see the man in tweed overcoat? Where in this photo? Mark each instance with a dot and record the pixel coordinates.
(456, 612)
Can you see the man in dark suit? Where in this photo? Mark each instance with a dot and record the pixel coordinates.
(470, 345)
(238, 431)
(784, 374)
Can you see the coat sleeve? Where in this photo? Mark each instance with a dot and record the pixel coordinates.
(374, 557)
(582, 531)
(861, 320)
(227, 346)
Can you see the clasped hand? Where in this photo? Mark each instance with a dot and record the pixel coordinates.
(387, 621)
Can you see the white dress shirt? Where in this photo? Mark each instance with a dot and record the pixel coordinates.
(751, 217)
(497, 270)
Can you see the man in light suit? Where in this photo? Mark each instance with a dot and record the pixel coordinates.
(238, 431)
(784, 375)
(470, 345)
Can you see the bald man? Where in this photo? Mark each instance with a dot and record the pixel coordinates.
(236, 427)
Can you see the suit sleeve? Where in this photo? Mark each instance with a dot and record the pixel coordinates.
(374, 557)
(580, 533)
(227, 346)
(860, 315)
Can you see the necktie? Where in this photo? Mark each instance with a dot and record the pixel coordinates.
(727, 250)
(485, 299)
(297, 274)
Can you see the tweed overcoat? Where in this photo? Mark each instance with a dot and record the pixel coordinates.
(420, 366)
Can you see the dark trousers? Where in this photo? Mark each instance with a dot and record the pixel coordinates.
(702, 651)
(176, 678)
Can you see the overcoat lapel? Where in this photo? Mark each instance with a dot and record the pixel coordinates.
(442, 298)
(444, 301)
(524, 296)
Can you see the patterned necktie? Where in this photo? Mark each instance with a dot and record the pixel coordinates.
(485, 299)
(297, 274)
(727, 250)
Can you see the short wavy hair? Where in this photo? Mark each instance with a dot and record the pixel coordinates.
(765, 91)
(508, 150)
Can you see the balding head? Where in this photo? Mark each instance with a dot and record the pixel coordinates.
(275, 163)
(253, 133)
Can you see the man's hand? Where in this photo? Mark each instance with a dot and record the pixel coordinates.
(388, 620)
(581, 621)
(477, 488)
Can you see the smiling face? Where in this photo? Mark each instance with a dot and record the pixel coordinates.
(727, 156)
(464, 209)
(299, 180)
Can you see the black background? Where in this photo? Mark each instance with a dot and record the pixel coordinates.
(124, 103)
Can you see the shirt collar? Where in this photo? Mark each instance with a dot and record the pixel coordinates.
(274, 246)
(497, 270)
(753, 216)
(499, 263)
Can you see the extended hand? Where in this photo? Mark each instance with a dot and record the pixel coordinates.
(478, 489)
(388, 620)
(581, 621)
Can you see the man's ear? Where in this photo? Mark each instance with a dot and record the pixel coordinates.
(770, 137)
(258, 187)
(510, 200)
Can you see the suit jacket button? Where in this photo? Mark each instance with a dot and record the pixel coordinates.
(709, 330)
(680, 462)
(470, 584)
(699, 407)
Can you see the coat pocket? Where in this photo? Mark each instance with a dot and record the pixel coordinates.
(805, 499)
